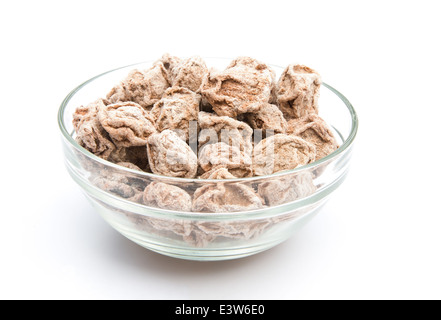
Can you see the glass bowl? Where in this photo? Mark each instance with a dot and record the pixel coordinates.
(299, 193)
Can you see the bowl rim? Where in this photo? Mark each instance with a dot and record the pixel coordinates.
(346, 144)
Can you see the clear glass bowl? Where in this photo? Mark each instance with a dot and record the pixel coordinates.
(300, 193)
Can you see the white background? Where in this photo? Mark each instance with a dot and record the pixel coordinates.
(379, 237)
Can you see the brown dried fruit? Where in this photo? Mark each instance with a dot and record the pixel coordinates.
(166, 196)
(298, 91)
(225, 197)
(126, 134)
(315, 130)
(281, 152)
(84, 113)
(267, 117)
(127, 123)
(216, 129)
(143, 87)
(282, 190)
(189, 73)
(200, 234)
(129, 165)
(251, 63)
(218, 173)
(138, 198)
(220, 154)
(90, 133)
(121, 183)
(238, 89)
(170, 156)
(134, 155)
(177, 108)
(273, 97)
(118, 186)
(198, 237)
(189, 232)
(169, 62)
(234, 230)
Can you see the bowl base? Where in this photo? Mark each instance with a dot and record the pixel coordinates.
(169, 244)
(204, 254)
(220, 253)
